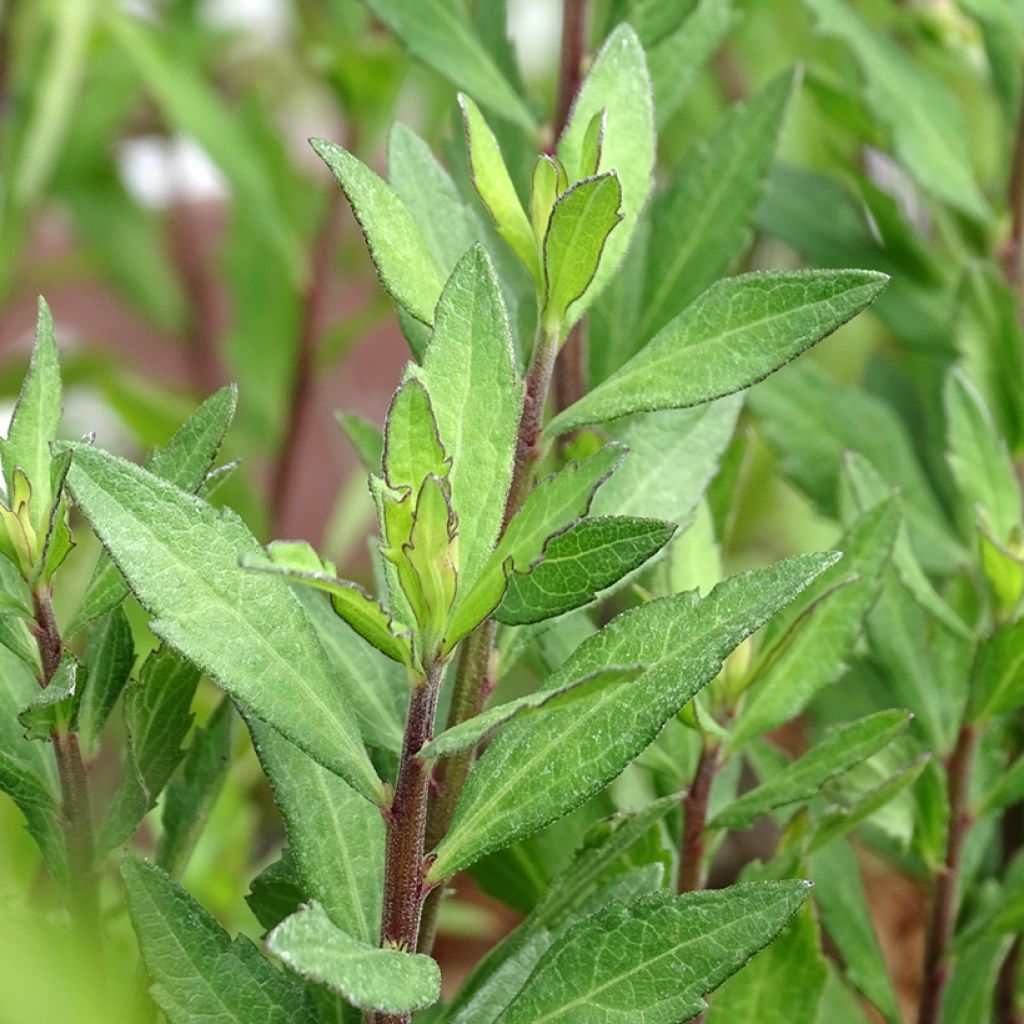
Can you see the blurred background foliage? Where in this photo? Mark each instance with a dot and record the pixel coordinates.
(156, 185)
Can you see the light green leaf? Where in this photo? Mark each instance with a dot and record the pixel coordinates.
(782, 985)
(469, 372)
(439, 33)
(924, 119)
(544, 766)
(703, 221)
(405, 263)
(814, 657)
(494, 186)
(618, 82)
(51, 710)
(737, 332)
(997, 679)
(365, 437)
(581, 222)
(655, 959)
(578, 564)
(367, 976)
(979, 459)
(245, 629)
(108, 663)
(197, 971)
(544, 191)
(837, 751)
(34, 424)
(336, 837)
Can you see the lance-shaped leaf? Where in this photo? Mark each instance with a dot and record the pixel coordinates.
(737, 332)
(51, 710)
(108, 663)
(494, 186)
(997, 679)
(811, 655)
(157, 719)
(554, 504)
(245, 629)
(196, 970)
(578, 564)
(581, 222)
(185, 461)
(372, 978)
(544, 766)
(442, 36)
(406, 266)
(336, 837)
(838, 751)
(654, 960)
(469, 372)
(546, 184)
(365, 437)
(979, 459)
(34, 423)
(618, 82)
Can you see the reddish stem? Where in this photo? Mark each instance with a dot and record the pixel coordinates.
(695, 816)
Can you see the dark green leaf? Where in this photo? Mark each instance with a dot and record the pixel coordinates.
(108, 663)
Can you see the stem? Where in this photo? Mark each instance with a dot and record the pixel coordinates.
(305, 360)
(1006, 987)
(406, 827)
(1011, 254)
(935, 973)
(695, 816)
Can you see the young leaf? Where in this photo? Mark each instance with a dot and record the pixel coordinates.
(369, 977)
(402, 255)
(655, 959)
(443, 37)
(594, 554)
(542, 767)
(838, 751)
(197, 971)
(336, 837)
(581, 222)
(494, 186)
(365, 437)
(246, 629)
(618, 83)
(739, 331)
(34, 424)
(544, 190)
(108, 663)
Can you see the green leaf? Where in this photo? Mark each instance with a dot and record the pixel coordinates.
(783, 984)
(813, 657)
(997, 679)
(245, 629)
(197, 971)
(185, 461)
(555, 504)
(404, 261)
(476, 394)
(837, 751)
(494, 186)
(34, 424)
(190, 798)
(157, 718)
(336, 837)
(979, 459)
(924, 119)
(655, 959)
(365, 437)
(367, 976)
(578, 564)
(737, 332)
(581, 222)
(440, 34)
(544, 766)
(52, 709)
(108, 663)
(618, 83)
(276, 892)
(703, 221)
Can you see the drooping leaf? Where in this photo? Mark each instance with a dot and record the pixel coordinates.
(246, 629)
(336, 837)
(196, 970)
(405, 263)
(654, 959)
(542, 767)
(367, 976)
(108, 663)
(739, 331)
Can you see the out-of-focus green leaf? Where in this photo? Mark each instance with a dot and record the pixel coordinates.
(997, 681)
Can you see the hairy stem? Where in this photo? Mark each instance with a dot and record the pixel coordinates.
(406, 829)
(695, 816)
(942, 920)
